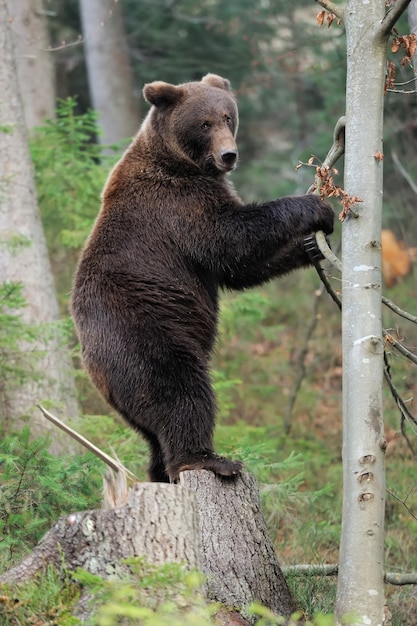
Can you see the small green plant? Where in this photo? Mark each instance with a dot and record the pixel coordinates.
(154, 595)
(267, 618)
(69, 174)
(46, 600)
(37, 488)
(14, 367)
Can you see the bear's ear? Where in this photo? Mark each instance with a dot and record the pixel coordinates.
(216, 81)
(160, 93)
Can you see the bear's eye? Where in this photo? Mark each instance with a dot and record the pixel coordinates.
(229, 120)
(205, 125)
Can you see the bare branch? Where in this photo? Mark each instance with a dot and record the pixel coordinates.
(330, 6)
(399, 347)
(336, 151)
(402, 91)
(400, 579)
(306, 569)
(401, 312)
(403, 502)
(301, 361)
(400, 167)
(392, 16)
(115, 465)
(335, 261)
(405, 413)
(326, 251)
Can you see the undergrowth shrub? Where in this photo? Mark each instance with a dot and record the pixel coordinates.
(36, 488)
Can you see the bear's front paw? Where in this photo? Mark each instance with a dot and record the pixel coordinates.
(212, 462)
(324, 216)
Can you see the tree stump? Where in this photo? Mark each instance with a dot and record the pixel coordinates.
(208, 522)
(158, 521)
(237, 554)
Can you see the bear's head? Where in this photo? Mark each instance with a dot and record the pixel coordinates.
(196, 122)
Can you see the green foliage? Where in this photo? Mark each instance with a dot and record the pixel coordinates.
(70, 171)
(14, 366)
(109, 432)
(18, 365)
(167, 595)
(37, 488)
(154, 595)
(316, 594)
(46, 600)
(16, 242)
(242, 312)
(267, 618)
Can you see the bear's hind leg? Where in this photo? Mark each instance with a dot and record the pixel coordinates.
(156, 467)
(186, 430)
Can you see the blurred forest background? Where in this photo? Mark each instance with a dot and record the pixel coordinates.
(289, 77)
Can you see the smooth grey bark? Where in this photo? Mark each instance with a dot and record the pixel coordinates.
(35, 64)
(412, 21)
(51, 378)
(110, 74)
(360, 594)
(412, 17)
(237, 553)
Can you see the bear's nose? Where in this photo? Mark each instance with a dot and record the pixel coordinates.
(229, 157)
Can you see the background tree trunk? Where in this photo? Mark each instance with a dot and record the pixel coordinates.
(110, 75)
(51, 379)
(212, 524)
(412, 22)
(35, 65)
(360, 595)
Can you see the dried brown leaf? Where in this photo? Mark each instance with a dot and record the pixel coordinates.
(379, 155)
(348, 202)
(395, 45)
(320, 18)
(390, 77)
(409, 43)
(330, 18)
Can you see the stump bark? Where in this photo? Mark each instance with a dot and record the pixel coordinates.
(158, 521)
(237, 554)
(208, 522)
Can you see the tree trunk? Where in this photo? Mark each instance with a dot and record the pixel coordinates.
(110, 75)
(50, 379)
(237, 553)
(360, 595)
(412, 22)
(210, 523)
(35, 65)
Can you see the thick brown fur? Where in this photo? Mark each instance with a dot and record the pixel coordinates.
(171, 232)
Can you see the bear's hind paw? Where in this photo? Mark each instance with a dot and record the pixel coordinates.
(212, 462)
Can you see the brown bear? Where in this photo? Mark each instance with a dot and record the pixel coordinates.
(171, 232)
